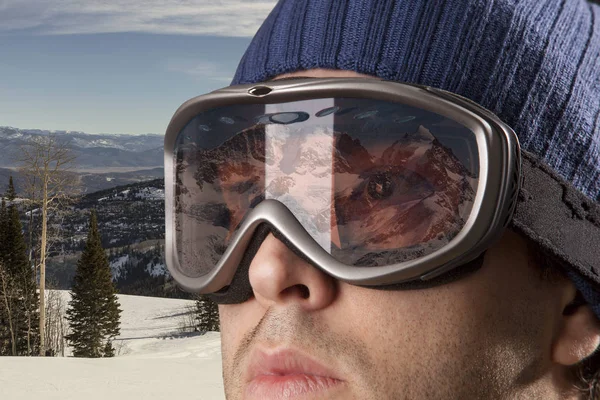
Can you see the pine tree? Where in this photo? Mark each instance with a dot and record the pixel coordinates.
(11, 193)
(109, 350)
(93, 314)
(207, 315)
(18, 288)
(5, 331)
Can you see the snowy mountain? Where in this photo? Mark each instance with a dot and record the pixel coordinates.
(406, 192)
(154, 361)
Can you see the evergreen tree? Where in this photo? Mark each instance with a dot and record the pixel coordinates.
(93, 314)
(207, 315)
(109, 350)
(11, 193)
(20, 301)
(5, 333)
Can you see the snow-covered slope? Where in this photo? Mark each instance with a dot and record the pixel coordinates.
(154, 362)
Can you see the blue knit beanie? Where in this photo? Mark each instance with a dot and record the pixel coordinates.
(534, 63)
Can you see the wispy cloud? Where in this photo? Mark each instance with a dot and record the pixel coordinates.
(201, 70)
(239, 18)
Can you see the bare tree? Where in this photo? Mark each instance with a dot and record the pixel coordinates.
(54, 233)
(30, 190)
(187, 319)
(29, 311)
(46, 164)
(56, 325)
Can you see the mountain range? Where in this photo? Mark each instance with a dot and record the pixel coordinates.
(101, 160)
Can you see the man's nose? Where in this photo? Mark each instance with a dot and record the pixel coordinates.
(278, 276)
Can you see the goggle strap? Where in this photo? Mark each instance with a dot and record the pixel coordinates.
(559, 218)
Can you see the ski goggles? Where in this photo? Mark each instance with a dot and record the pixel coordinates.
(374, 182)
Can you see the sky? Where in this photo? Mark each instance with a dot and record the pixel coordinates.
(117, 66)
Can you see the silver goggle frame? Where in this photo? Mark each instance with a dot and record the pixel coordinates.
(495, 200)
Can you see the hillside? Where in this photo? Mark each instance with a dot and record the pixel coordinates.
(131, 224)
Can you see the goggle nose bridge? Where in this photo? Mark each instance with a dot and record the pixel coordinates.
(240, 289)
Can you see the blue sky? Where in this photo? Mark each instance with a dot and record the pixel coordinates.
(116, 66)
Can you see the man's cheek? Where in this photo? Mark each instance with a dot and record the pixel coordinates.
(225, 324)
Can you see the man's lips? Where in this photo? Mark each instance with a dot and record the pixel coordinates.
(287, 374)
(286, 362)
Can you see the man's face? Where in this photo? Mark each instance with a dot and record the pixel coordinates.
(486, 336)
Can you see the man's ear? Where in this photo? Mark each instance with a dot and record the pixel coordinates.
(579, 335)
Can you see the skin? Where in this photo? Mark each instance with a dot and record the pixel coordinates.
(499, 333)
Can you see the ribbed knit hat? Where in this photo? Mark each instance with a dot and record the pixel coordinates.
(534, 63)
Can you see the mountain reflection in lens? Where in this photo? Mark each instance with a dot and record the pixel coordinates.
(395, 194)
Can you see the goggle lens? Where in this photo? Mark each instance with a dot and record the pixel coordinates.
(373, 182)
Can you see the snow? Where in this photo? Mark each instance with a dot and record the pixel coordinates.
(151, 194)
(147, 193)
(89, 141)
(117, 265)
(156, 269)
(154, 361)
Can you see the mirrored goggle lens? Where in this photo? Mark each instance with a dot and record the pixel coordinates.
(374, 183)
